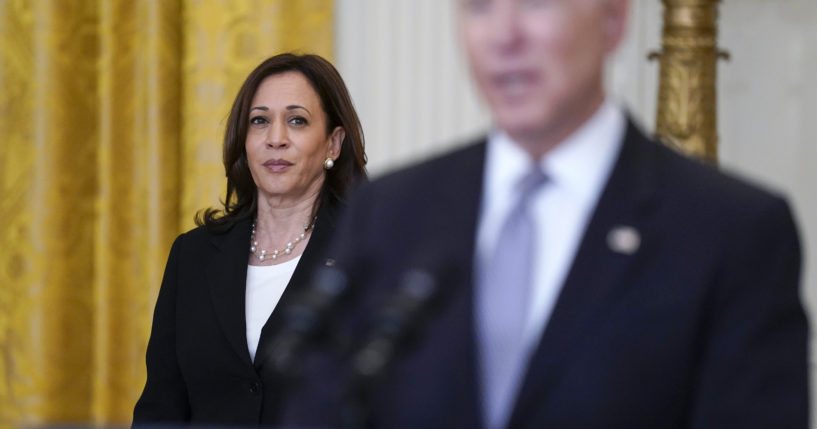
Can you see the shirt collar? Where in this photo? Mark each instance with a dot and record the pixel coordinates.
(579, 165)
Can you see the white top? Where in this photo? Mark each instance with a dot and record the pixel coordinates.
(577, 170)
(265, 285)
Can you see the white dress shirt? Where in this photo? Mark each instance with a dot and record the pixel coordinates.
(265, 285)
(577, 169)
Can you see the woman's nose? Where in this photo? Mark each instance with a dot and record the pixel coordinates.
(277, 137)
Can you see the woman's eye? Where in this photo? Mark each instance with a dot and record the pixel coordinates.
(258, 120)
(297, 120)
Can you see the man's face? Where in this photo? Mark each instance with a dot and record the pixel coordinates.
(539, 63)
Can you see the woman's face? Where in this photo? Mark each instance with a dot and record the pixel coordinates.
(287, 141)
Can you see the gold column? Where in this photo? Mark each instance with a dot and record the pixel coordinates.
(687, 101)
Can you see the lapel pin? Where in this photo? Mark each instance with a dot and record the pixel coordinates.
(624, 239)
(329, 262)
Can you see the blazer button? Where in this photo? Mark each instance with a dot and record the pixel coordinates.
(255, 388)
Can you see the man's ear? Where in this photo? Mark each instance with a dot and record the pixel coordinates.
(615, 22)
(336, 142)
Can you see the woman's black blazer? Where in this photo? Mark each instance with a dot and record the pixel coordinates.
(199, 369)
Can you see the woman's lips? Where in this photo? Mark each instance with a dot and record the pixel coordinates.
(277, 164)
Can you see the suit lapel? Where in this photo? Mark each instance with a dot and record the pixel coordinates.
(460, 200)
(440, 229)
(227, 275)
(598, 273)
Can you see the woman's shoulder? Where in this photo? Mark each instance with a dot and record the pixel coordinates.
(204, 234)
(198, 232)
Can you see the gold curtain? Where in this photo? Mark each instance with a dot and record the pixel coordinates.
(111, 113)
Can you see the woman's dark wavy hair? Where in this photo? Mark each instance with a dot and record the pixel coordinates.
(350, 166)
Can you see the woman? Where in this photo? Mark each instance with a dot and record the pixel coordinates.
(292, 149)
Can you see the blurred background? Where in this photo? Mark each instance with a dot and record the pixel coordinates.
(112, 114)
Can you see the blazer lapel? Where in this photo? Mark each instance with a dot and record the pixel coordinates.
(598, 273)
(313, 257)
(227, 275)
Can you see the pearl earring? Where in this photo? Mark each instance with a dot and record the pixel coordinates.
(328, 163)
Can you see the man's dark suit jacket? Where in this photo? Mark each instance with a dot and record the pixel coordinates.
(701, 327)
(198, 362)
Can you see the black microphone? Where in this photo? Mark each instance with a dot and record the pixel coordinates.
(397, 324)
(305, 318)
(402, 316)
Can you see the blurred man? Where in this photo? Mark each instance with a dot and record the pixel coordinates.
(594, 278)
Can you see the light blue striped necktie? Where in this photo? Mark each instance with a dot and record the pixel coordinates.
(502, 299)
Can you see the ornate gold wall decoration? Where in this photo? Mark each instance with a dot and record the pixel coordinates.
(112, 114)
(687, 100)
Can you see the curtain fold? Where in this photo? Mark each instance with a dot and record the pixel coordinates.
(112, 114)
(139, 85)
(48, 158)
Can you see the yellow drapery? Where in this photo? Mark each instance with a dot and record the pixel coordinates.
(111, 117)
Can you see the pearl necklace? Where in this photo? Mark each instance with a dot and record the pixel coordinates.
(263, 254)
